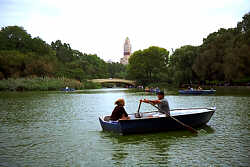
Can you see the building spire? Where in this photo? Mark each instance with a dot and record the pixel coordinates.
(127, 51)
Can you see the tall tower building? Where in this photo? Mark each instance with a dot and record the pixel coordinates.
(127, 52)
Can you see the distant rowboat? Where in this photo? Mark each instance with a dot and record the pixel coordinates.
(156, 122)
(152, 90)
(197, 92)
(68, 89)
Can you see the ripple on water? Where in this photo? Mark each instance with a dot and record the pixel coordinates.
(57, 129)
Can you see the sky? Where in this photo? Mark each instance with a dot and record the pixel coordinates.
(101, 26)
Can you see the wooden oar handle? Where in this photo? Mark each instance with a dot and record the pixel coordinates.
(137, 115)
(139, 107)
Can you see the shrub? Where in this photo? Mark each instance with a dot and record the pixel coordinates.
(39, 84)
(91, 85)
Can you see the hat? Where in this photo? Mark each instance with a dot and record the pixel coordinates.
(160, 93)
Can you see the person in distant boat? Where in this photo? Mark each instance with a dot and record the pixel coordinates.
(162, 103)
(199, 88)
(119, 111)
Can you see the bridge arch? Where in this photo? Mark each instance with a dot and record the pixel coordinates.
(114, 80)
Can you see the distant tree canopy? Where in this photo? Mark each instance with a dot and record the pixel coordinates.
(24, 56)
(148, 65)
(224, 56)
(116, 70)
(181, 62)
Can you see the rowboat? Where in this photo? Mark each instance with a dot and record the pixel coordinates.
(152, 90)
(197, 92)
(158, 122)
(68, 89)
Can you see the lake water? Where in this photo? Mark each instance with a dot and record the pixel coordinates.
(62, 129)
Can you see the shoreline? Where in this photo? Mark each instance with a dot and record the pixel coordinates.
(220, 88)
(225, 87)
(60, 84)
(44, 84)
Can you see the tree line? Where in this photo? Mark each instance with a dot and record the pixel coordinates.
(22, 56)
(223, 57)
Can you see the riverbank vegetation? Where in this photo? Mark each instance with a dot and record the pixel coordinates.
(24, 56)
(25, 60)
(44, 84)
(222, 58)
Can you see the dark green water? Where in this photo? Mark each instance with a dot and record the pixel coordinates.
(62, 129)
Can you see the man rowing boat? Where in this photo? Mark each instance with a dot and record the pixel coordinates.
(161, 102)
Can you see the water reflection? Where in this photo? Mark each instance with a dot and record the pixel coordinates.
(154, 149)
(160, 137)
(22, 109)
(146, 148)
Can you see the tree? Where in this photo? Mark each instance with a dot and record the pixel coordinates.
(146, 65)
(63, 51)
(116, 70)
(225, 55)
(14, 38)
(244, 25)
(12, 64)
(181, 62)
(40, 47)
(210, 61)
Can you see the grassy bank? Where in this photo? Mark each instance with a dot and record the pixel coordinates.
(43, 84)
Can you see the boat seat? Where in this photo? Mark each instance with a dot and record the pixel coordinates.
(106, 118)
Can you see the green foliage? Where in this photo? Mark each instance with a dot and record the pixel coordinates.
(14, 38)
(91, 85)
(14, 64)
(38, 84)
(225, 55)
(145, 66)
(116, 70)
(24, 56)
(93, 66)
(64, 53)
(180, 68)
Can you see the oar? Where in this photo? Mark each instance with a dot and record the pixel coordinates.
(137, 115)
(184, 125)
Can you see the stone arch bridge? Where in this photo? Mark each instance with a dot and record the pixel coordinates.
(114, 80)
